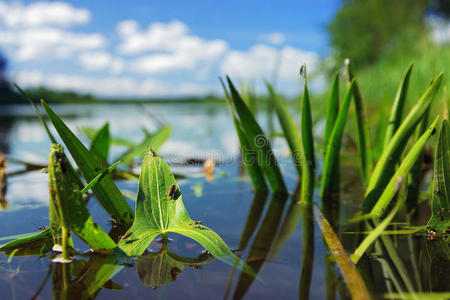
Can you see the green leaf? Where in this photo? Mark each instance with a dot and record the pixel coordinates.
(308, 161)
(33, 244)
(160, 210)
(90, 133)
(352, 278)
(419, 295)
(440, 201)
(331, 160)
(395, 118)
(101, 143)
(290, 129)
(332, 111)
(258, 141)
(99, 177)
(105, 191)
(363, 139)
(402, 172)
(67, 206)
(163, 267)
(249, 156)
(153, 141)
(390, 157)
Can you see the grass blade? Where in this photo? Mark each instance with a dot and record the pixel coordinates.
(440, 201)
(395, 118)
(99, 177)
(332, 112)
(290, 129)
(101, 143)
(105, 191)
(363, 139)
(258, 141)
(402, 172)
(153, 141)
(249, 156)
(331, 160)
(308, 163)
(352, 278)
(391, 155)
(50, 136)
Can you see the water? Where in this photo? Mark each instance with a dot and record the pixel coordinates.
(272, 234)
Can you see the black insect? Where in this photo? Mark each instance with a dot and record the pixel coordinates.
(171, 191)
(195, 223)
(125, 236)
(174, 272)
(436, 192)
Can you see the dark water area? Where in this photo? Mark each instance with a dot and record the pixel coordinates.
(277, 237)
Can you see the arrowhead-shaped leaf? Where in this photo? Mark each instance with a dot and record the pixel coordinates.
(160, 209)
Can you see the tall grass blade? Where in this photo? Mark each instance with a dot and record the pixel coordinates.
(332, 112)
(352, 278)
(248, 154)
(50, 136)
(416, 174)
(99, 177)
(101, 143)
(290, 129)
(259, 142)
(105, 191)
(308, 163)
(363, 139)
(385, 167)
(440, 201)
(395, 118)
(402, 172)
(331, 160)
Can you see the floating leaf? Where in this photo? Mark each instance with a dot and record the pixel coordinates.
(160, 210)
(32, 244)
(440, 201)
(105, 191)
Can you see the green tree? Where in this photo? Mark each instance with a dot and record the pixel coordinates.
(365, 30)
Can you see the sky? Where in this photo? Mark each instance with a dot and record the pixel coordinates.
(151, 49)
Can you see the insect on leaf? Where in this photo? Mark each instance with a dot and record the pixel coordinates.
(158, 212)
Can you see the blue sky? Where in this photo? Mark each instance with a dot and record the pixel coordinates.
(161, 48)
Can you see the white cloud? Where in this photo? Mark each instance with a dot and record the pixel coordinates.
(112, 86)
(260, 61)
(172, 47)
(101, 60)
(40, 43)
(274, 38)
(16, 14)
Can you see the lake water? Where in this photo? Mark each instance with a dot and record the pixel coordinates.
(271, 234)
